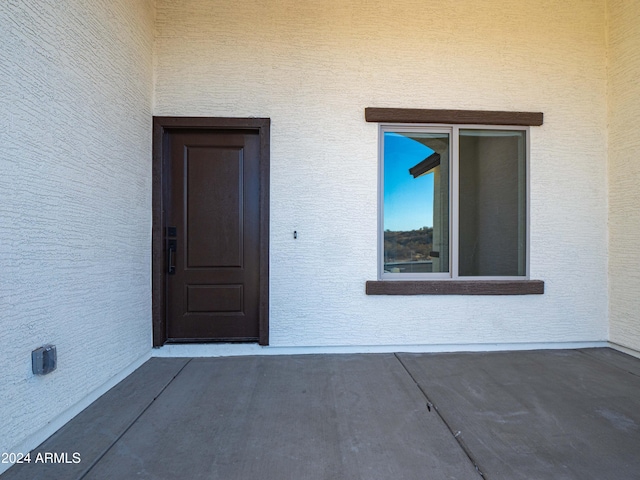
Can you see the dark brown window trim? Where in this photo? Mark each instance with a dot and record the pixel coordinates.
(460, 117)
(456, 287)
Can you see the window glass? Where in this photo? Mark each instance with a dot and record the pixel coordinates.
(416, 202)
(492, 203)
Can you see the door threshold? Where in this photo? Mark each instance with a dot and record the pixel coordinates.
(210, 349)
(209, 341)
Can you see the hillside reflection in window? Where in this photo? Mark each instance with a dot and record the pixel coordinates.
(416, 202)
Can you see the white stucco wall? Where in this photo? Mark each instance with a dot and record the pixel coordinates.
(75, 189)
(312, 67)
(624, 171)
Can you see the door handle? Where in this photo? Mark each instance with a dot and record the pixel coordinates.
(171, 257)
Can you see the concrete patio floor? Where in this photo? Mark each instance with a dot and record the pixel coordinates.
(563, 414)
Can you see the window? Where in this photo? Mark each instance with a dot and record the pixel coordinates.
(453, 202)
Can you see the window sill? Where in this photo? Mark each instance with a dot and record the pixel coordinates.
(456, 287)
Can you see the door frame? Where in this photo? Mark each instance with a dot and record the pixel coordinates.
(161, 127)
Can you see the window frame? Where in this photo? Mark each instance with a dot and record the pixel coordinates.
(454, 199)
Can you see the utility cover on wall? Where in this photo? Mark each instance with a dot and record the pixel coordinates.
(44, 360)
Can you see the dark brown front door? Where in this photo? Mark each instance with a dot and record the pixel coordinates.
(212, 234)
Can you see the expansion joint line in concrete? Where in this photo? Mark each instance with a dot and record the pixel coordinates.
(611, 364)
(106, 450)
(456, 434)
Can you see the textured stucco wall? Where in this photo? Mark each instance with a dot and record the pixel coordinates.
(624, 171)
(75, 156)
(312, 67)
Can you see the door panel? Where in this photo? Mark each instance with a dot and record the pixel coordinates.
(214, 298)
(214, 203)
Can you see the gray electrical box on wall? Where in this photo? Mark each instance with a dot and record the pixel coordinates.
(44, 360)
